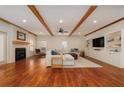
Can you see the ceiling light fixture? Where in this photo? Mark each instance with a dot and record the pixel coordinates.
(94, 21)
(79, 33)
(59, 33)
(41, 33)
(24, 20)
(60, 21)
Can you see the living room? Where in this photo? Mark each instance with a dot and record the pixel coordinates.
(41, 44)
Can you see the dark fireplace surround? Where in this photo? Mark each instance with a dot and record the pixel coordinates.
(20, 53)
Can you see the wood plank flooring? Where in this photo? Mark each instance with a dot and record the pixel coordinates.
(33, 72)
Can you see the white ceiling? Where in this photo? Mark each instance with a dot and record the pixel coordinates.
(103, 15)
(69, 14)
(16, 14)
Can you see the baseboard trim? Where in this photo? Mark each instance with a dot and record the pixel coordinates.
(1, 63)
(88, 57)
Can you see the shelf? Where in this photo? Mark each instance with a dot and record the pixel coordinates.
(20, 42)
(97, 49)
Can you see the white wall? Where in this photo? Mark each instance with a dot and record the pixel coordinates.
(11, 32)
(55, 42)
(104, 54)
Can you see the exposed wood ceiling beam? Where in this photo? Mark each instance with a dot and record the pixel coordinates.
(105, 26)
(40, 18)
(87, 14)
(4, 20)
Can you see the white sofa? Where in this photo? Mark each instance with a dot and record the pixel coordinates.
(67, 59)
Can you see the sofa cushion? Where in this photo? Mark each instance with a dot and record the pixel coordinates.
(68, 57)
(54, 52)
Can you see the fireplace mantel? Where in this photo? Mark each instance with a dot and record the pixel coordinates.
(20, 42)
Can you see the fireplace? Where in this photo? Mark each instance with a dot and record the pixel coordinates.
(20, 53)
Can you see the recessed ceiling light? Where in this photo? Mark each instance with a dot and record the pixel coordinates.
(60, 21)
(94, 21)
(59, 33)
(79, 33)
(41, 33)
(24, 20)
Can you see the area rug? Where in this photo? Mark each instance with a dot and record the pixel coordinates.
(83, 63)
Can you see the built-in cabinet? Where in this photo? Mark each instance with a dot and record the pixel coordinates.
(113, 41)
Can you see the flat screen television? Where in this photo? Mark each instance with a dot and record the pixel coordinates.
(98, 42)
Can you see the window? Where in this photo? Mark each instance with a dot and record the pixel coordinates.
(2, 47)
(44, 43)
(44, 46)
(31, 45)
(64, 44)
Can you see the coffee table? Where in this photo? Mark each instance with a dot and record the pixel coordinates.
(55, 59)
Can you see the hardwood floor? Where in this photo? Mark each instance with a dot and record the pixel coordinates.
(33, 72)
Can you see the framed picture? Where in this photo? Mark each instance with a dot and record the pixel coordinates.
(21, 36)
